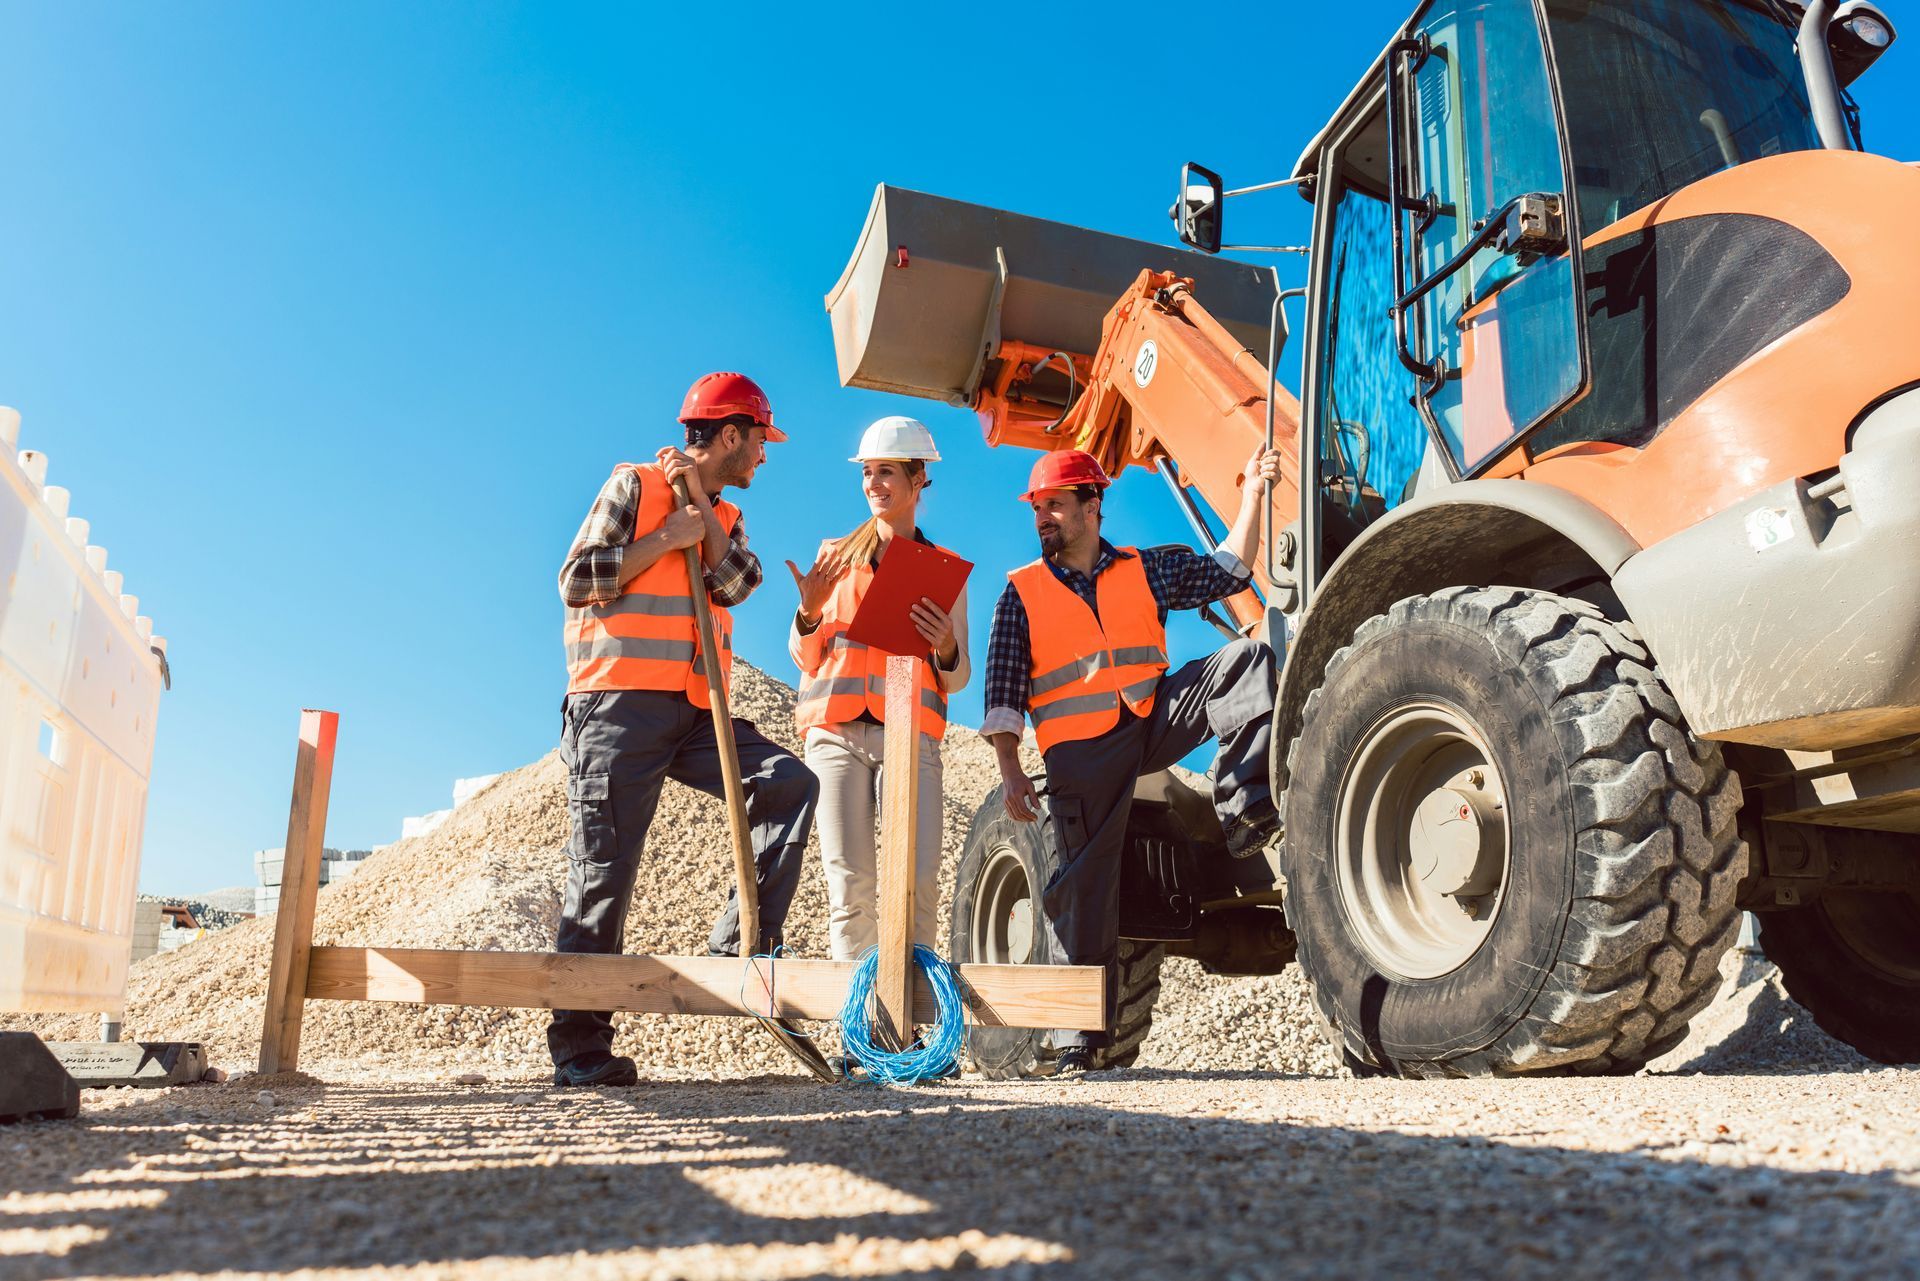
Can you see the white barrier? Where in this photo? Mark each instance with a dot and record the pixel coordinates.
(80, 684)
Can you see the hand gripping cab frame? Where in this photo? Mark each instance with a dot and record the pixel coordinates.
(1596, 566)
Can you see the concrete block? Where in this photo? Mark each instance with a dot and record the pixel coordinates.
(99, 1065)
(33, 1085)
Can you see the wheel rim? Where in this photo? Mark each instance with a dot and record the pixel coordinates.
(1422, 841)
(1878, 928)
(1002, 926)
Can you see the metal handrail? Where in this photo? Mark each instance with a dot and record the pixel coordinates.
(1280, 296)
(1397, 201)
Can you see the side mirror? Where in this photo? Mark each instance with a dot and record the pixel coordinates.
(1197, 210)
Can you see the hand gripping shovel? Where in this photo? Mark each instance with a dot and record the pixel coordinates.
(746, 881)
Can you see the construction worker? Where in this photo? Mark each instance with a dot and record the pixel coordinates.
(636, 710)
(1079, 644)
(843, 690)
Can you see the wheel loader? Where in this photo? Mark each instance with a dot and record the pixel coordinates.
(1596, 566)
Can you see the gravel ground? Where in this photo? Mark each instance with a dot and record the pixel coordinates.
(1224, 1175)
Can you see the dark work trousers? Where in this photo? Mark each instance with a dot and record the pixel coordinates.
(1228, 696)
(619, 749)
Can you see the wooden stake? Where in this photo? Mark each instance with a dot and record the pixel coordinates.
(893, 988)
(299, 885)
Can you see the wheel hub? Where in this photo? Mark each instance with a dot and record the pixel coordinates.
(1456, 841)
(1002, 923)
(1020, 931)
(1421, 841)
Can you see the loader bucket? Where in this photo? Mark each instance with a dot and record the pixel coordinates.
(935, 285)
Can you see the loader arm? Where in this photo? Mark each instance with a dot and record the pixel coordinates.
(1168, 382)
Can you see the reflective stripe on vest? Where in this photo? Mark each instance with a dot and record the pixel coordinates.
(1084, 668)
(851, 678)
(647, 637)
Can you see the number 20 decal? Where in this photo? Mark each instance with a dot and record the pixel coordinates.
(1145, 363)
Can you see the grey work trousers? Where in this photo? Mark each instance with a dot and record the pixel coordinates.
(1228, 696)
(619, 749)
(849, 761)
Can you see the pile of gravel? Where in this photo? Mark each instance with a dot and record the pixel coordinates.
(1754, 1026)
(491, 878)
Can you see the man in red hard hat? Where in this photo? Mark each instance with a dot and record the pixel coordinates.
(636, 710)
(1079, 645)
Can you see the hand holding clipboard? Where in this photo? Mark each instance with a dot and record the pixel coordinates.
(909, 570)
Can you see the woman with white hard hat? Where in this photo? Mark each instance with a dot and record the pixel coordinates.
(843, 690)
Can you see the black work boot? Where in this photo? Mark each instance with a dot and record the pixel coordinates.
(1074, 1061)
(1250, 837)
(596, 1067)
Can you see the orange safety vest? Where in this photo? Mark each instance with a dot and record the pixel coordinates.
(1085, 667)
(852, 677)
(647, 637)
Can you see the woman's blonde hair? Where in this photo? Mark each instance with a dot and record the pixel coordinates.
(862, 546)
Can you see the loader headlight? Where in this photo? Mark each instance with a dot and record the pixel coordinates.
(1870, 31)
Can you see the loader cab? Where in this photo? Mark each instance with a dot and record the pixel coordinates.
(1475, 203)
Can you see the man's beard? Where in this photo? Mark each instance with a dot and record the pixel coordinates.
(735, 470)
(1052, 544)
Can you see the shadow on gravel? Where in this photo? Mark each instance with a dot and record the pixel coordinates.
(357, 1177)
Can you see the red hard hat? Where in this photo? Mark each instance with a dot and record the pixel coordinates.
(1064, 469)
(723, 395)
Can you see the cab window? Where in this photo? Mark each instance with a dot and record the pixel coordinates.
(1371, 438)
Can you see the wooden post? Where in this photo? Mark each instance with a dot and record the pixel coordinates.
(299, 884)
(900, 794)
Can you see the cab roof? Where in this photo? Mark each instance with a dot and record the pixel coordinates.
(1367, 158)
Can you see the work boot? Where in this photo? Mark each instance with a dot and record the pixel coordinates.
(1248, 838)
(1074, 1062)
(596, 1067)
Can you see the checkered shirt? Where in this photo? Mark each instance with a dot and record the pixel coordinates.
(591, 574)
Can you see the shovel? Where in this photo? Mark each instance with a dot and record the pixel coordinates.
(746, 879)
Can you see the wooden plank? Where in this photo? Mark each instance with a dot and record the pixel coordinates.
(1051, 996)
(899, 799)
(299, 884)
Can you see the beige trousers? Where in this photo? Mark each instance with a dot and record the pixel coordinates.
(847, 759)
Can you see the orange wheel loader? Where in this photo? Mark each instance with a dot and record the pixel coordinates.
(1596, 571)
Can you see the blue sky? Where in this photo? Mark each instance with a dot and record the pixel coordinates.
(333, 320)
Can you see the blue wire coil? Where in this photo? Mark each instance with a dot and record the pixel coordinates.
(938, 1049)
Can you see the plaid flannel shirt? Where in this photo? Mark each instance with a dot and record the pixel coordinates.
(591, 574)
(1179, 577)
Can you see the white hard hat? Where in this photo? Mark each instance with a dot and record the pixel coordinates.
(896, 437)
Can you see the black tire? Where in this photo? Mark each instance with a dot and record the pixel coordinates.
(1000, 858)
(1851, 959)
(1616, 898)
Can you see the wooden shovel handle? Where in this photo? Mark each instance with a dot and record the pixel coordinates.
(746, 881)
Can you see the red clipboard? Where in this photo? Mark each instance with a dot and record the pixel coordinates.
(909, 569)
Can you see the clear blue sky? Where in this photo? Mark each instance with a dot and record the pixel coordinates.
(333, 320)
